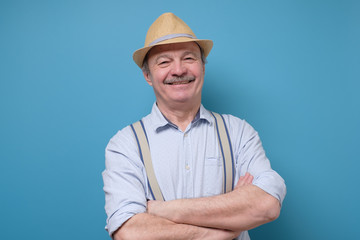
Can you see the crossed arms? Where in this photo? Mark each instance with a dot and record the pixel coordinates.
(219, 217)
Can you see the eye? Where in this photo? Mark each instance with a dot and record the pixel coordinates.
(189, 58)
(162, 62)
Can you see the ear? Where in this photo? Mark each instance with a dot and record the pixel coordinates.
(147, 77)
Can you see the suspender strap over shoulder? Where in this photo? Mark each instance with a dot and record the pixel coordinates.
(224, 145)
(144, 150)
(226, 151)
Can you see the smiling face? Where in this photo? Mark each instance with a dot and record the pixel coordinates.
(176, 73)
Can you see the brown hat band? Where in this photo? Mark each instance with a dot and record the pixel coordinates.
(170, 36)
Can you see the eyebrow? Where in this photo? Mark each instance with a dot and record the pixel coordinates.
(191, 53)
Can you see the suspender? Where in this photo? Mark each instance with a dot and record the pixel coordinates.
(144, 150)
(226, 152)
(224, 145)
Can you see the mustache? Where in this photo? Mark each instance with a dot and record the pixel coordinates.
(180, 79)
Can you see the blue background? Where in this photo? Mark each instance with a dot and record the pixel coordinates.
(68, 83)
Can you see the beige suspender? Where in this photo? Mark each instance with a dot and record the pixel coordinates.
(146, 157)
(224, 145)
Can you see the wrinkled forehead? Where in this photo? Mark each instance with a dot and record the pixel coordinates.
(191, 47)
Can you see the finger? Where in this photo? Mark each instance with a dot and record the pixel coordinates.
(243, 180)
(247, 179)
(240, 182)
(251, 178)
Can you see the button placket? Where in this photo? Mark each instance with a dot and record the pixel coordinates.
(188, 163)
(187, 151)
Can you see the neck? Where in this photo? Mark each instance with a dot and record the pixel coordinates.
(181, 115)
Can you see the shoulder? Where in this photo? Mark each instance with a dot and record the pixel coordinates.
(123, 137)
(240, 131)
(122, 148)
(236, 124)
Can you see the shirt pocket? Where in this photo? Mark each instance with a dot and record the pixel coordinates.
(213, 176)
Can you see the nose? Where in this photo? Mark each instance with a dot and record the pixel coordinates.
(178, 69)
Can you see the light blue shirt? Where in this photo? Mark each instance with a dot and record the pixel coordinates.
(187, 164)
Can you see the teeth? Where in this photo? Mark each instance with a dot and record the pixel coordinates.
(178, 83)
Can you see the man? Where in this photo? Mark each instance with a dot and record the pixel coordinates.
(186, 154)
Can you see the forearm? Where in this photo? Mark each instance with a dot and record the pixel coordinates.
(146, 226)
(242, 209)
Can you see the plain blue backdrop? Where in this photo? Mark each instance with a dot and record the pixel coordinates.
(68, 83)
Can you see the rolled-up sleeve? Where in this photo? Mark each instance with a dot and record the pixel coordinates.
(124, 180)
(250, 157)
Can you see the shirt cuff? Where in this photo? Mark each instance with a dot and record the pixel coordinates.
(119, 218)
(273, 184)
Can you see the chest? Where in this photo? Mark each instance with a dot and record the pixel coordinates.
(187, 164)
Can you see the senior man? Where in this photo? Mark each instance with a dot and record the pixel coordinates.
(183, 172)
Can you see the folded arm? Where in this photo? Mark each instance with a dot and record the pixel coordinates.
(146, 226)
(246, 207)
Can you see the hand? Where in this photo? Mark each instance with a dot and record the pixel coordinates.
(244, 180)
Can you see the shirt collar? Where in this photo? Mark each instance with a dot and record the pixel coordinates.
(206, 115)
(158, 120)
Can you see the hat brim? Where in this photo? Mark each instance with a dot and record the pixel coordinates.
(140, 54)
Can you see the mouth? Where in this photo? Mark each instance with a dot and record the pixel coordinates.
(180, 80)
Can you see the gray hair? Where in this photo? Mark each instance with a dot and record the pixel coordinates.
(145, 66)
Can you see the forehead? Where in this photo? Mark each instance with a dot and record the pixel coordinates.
(191, 47)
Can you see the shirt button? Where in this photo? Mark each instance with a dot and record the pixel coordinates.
(187, 167)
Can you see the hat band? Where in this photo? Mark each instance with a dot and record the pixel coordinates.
(170, 36)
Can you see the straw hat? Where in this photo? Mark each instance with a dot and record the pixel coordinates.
(168, 28)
